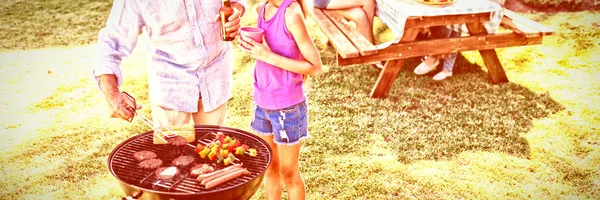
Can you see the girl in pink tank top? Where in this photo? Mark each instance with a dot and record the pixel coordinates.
(280, 116)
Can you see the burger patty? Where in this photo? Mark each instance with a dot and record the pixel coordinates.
(166, 173)
(143, 155)
(151, 163)
(177, 141)
(183, 161)
(201, 168)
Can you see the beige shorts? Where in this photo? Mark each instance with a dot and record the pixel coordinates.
(166, 117)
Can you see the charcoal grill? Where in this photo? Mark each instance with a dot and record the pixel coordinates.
(144, 184)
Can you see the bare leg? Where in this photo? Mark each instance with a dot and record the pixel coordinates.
(272, 180)
(363, 25)
(215, 117)
(167, 117)
(367, 6)
(290, 171)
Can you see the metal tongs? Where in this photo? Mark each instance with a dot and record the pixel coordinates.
(149, 122)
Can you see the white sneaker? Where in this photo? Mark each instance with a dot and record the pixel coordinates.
(423, 68)
(442, 75)
(376, 64)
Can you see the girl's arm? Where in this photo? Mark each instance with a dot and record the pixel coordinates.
(258, 7)
(311, 65)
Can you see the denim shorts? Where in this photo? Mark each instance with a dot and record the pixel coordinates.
(321, 3)
(288, 125)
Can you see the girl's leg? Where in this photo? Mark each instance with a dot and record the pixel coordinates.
(272, 180)
(289, 127)
(262, 127)
(290, 171)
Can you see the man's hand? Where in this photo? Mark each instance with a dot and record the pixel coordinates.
(119, 104)
(233, 24)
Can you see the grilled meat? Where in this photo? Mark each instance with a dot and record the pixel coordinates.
(177, 141)
(143, 155)
(183, 161)
(151, 163)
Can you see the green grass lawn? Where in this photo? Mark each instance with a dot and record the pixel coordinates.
(536, 137)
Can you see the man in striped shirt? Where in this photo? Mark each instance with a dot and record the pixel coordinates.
(189, 67)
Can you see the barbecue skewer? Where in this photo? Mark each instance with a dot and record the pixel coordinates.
(252, 153)
(231, 157)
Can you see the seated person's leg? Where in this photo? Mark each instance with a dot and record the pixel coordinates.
(360, 12)
(321, 3)
(358, 16)
(363, 26)
(448, 62)
(430, 62)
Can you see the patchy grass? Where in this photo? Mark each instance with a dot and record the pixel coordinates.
(26, 24)
(554, 3)
(464, 138)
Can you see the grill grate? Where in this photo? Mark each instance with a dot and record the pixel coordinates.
(126, 169)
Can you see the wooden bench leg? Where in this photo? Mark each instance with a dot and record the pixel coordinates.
(490, 58)
(492, 63)
(386, 78)
(392, 68)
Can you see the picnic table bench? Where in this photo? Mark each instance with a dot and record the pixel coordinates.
(353, 48)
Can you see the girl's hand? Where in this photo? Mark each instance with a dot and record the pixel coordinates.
(259, 51)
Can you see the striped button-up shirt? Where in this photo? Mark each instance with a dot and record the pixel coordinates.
(186, 57)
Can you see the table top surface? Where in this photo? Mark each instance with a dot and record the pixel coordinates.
(394, 13)
(409, 8)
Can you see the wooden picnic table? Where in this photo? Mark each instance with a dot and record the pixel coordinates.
(405, 20)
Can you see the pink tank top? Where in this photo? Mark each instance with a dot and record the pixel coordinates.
(276, 88)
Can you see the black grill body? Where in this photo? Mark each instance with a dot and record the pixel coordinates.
(144, 184)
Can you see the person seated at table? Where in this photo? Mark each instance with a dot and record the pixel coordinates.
(431, 62)
(361, 12)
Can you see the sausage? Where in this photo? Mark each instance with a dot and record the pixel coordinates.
(226, 177)
(201, 177)
(204, 176)
(217, 174)
(220, 173)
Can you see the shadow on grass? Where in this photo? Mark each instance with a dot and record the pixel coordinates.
(422, 119)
